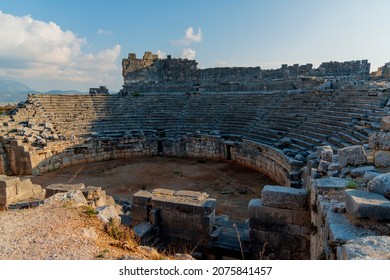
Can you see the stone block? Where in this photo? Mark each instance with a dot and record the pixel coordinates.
(284, 197)
(58, 188)
(92, 193)
(325, 153)
(257, 210)
(109, 200)
(334, 167)
(275, 240)
(359, 171)
(329, 184)
(145, 232)
(258, 236)
(353, 155)
(154, 216)
(105, 213)
(301, 218)
(363, 204)
(370, 175)
(142, 197)
(295, 243)
(384, 141)
(6, 181)
(380, 184)
(323, 166)
(75, 197)
(382, 159)
(9, 192)
(339, 229)
(366, 248)
(24, 186)
(139, 212)
(385, 123)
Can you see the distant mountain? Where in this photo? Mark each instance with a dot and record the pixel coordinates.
(57, 91)
(14, 92)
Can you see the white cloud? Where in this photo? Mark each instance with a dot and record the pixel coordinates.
(42, 50)
(220, 63)
(188, 53)
(161, 54)
(189, 37)
(101, 31)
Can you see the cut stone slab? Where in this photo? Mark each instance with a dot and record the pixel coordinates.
(353, 155)
(327, 184)
(6, 181)
(76, 197)
(334, 167)
(285, 197)
(341, 229)
(323, 166)
(105, 213)
(359, 171)
(57, 188)
(363, 204)
(366, 248)
(385, 123)
(380, 184)
(325, 153)
(382, 159)
(370, 175)
(145, 232)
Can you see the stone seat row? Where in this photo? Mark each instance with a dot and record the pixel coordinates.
(308, 119)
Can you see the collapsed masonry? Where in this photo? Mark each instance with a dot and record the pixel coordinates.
(153, 74)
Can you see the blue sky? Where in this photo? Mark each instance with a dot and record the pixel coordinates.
(79, 44)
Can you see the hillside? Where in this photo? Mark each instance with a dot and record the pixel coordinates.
(14, 92)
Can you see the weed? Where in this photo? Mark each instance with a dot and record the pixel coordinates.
(263, 251)
(117, 231)
(136, 94)
(90, 211)
(67, 204)
(102, 255)
(351, 185)
(239, 240)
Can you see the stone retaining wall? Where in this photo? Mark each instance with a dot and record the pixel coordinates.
(62, 154)
(175, 215)
(281, 218)
(15, 189)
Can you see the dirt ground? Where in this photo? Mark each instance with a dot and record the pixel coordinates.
(233, 186)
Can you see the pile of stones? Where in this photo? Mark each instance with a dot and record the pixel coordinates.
(38, 134)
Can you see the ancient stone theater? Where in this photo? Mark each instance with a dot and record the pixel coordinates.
(322, 134)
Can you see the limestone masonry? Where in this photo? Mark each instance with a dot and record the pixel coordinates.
(152, 74)
(323, 134)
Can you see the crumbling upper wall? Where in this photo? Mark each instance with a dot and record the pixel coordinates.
(382, 72)
(175, 74)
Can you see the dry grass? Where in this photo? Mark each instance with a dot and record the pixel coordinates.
(7, 109)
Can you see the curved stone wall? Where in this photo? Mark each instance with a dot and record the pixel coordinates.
(271, 132)
(262, 158)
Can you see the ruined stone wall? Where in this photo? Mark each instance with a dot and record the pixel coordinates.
(173, 215)
(15, 189)
(350, 203)
(281, 218)
(151, 74)
(4, 163)
(253, 155)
